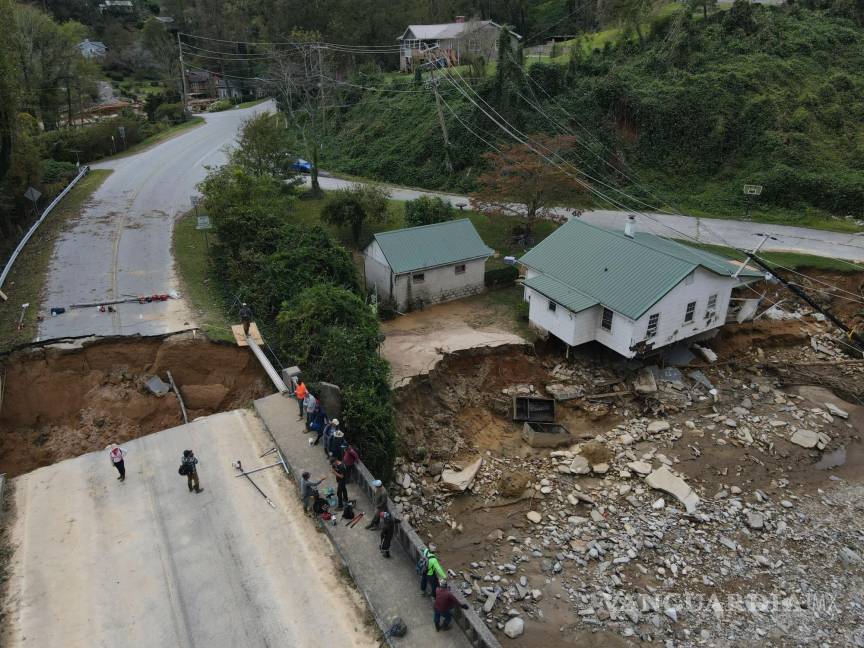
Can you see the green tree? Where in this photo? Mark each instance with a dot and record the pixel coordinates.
(265, 147)
(9, 90)
(427, 210)
(355, 206)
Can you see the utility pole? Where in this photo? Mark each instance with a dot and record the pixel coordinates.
(434, 82)
(182, 73)
(321, 89)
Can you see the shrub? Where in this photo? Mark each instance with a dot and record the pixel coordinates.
(220, 105)
(170, 112)
(427, 210)
(92, 141)
(55, 171)
(497, 277)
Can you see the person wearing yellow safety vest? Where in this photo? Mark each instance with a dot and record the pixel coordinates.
(430, 571)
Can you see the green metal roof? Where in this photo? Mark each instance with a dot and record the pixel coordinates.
(429, 246)
(628, 275)
(557, 291)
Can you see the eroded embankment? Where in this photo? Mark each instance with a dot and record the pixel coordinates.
(64, 399)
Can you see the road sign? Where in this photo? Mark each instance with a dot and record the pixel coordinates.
(203, 223)
(195, 200)
(752, 190)
(32, 194)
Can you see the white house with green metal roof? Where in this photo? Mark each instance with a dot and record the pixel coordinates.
(630, 291)
(427, 264)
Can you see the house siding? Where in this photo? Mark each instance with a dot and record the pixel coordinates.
(578, 328)
(456, 49)
(440, 284)
(673, 306)
(377, 270)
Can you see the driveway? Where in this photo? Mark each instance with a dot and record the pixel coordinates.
(121, 244)
(717, 231)
(147, 563)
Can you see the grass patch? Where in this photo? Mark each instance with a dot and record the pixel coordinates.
(26, 281)
(249, 104)
(158, 138)
(198, 278)
(792, 260)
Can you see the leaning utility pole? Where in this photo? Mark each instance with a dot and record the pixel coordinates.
(434, 83)
(182, 73)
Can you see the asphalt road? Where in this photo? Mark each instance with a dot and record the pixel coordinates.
(733, 233)
(147, 563)
(121, 243)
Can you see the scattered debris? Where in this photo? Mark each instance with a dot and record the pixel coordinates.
(460, 480)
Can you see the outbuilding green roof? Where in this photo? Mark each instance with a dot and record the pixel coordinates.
(586, 265)
(430, 246)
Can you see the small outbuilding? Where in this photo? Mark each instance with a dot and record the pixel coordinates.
(427, 264)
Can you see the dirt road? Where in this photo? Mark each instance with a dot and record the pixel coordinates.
(148, 563)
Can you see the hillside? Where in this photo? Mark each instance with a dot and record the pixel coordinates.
(758, 95)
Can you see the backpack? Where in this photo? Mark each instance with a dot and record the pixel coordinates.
(397, 628)
(348, 511)
(422, 564)
(183, 470)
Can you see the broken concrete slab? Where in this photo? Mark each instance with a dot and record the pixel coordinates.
(641, 467)
(658, 426)
(810, 439)
(663, 479)
(460, 480)
(157, 386)
(580, 466)
(644, 383)
(563, 392)
(836, 411)
(514, 627)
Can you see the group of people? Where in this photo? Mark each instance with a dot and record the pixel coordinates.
(188, 466)
(343, 458)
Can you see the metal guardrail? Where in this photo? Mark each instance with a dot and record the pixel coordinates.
(32, 230)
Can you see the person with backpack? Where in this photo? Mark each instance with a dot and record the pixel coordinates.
(116, 454)
(327, 433)
(445, 602)
(189, 467)
(430, 571)
(388, 528)
(245, 317)
(336, 445)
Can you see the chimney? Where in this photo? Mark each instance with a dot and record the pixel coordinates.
(460, 19)
(630, 227)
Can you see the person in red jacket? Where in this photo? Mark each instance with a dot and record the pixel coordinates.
(444, 604)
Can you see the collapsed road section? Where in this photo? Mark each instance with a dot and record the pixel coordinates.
(70, 397)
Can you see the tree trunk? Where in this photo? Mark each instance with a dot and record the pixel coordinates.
(313, 172)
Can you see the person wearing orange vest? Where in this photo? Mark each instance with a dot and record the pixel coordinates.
(300, 392)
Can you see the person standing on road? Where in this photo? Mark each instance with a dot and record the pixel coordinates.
(300, 394)
(308, 489)
(379, 499)
(245, 317)
(336, 446)
(116, 454)
(445, 602)
(327, 432)
(338, 469)
(350, 459)
(189, 463)
(431, 571)
(388, 528)
(310, 404)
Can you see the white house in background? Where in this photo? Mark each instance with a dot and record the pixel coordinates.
(92, 49)
(632, 292)
(427, 264)
(451, 43)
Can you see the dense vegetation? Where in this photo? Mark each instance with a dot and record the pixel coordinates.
(303, 287)
(754, 94)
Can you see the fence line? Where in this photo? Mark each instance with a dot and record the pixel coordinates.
(84, 170)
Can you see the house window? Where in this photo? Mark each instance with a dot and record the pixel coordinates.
(606, 322)
(711, 308)
(552, 306)
(460, 269)
(473, 45)
(690, 312)
(652, 325)
(418, 278)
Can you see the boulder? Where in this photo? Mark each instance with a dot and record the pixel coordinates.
(641, 467)
(459, 480)
(663, 479)
(658, 426)
(580, 466)
(514, 627)
(645, 383)
(534, 516)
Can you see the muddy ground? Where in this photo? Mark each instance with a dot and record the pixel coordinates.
(63, 400)
(459, 412)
